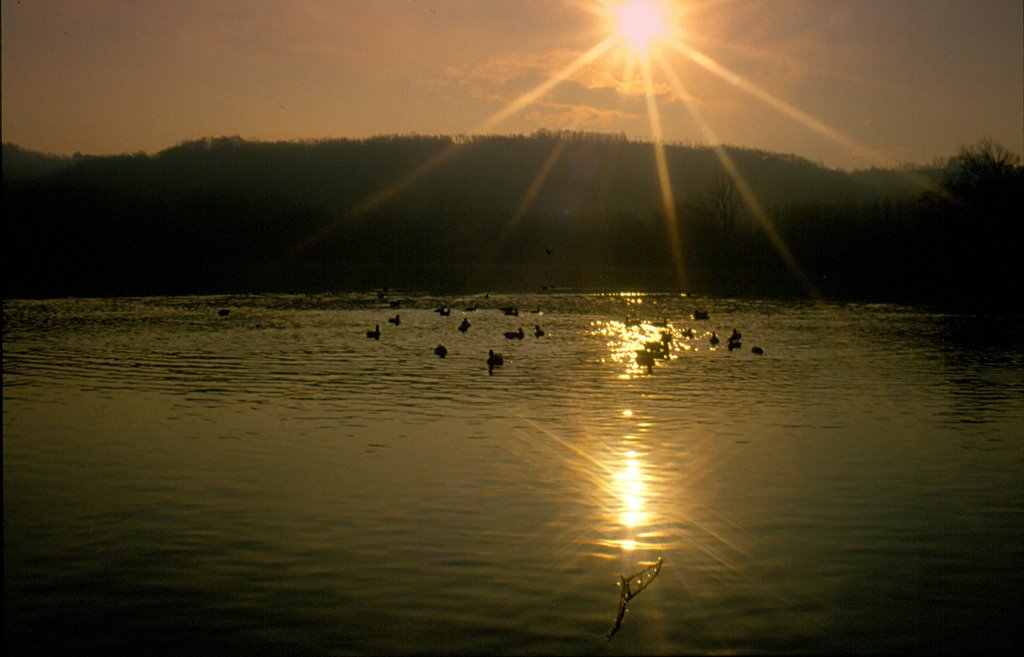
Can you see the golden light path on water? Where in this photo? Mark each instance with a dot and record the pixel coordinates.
(644, 503)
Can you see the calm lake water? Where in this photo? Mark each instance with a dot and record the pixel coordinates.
(272, 481)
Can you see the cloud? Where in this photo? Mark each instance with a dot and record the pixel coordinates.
(504, 77)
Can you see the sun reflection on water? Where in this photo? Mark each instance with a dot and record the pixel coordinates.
(630, 486)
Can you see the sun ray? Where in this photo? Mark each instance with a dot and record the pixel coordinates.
(531, 96)
(374, 200)
(665, 183)
(534, 188)
(778, 104)
(643, 30)
(746, 193)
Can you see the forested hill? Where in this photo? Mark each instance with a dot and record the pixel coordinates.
(574, 210)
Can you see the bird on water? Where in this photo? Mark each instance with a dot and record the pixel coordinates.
(493, 360)
(375, 333)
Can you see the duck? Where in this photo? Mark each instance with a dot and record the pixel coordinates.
(757, 351)
(714, 339)
(394, 320)
(223, 312)
(734, 340)
(645, 358)
(444, 311)
(515, 335)
(700, 314)
(511, 311)
(538, 331)
(375, 333)
(464, 326)
(441, 351)
(656, 348)
(493, 360)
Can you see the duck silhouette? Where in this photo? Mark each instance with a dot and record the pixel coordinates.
(645, 358)
(464, 326)
(734, 340)
(757, 351)
(493, 360)
(394, 320)
(538, 331)
(714, 339)
(441, 351)
(375, 333)
(515, 335)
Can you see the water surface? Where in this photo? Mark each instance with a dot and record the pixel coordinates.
(272, 481)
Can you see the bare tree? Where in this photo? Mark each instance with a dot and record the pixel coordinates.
(724, 202)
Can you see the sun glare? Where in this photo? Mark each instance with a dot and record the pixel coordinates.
(640, 24)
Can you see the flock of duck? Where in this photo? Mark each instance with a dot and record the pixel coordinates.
(646, 357)
(655, 349)
(494, 359)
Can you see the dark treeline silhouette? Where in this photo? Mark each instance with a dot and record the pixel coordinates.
(578, 210)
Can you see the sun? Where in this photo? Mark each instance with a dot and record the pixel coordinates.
(641, 25)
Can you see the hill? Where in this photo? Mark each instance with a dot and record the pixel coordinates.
(576, 210)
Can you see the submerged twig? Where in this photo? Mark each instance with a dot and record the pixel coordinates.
(642, 580)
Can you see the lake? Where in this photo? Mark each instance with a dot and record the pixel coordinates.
(254, 475)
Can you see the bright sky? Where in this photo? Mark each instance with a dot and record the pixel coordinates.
(848, 83)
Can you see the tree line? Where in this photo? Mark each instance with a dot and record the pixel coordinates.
(578, 210)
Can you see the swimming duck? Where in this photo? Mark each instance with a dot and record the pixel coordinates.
(375, 333)
(538, 331)
(515, 335)
(464, 326)
(441, 351)
(493, 360)
(714, 339)
(394, 320)
(758, 351)
(645, 358)
(734, 340)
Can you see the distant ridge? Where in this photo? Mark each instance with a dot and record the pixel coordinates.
(226, 214)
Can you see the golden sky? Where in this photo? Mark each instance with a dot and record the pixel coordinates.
(848, 83)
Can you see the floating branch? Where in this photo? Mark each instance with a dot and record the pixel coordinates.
(641, 580)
